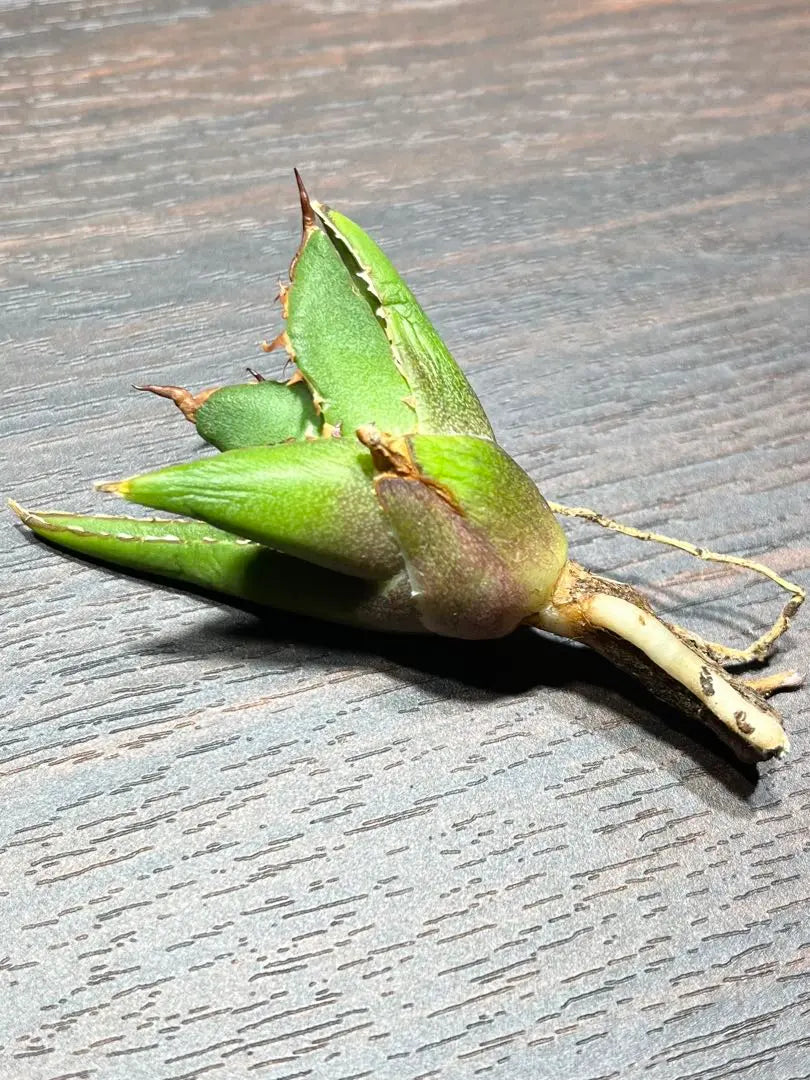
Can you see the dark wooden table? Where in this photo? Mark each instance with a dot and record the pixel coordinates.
(235, 848)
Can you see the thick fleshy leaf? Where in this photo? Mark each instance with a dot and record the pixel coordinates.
(496, 496)
(190, 552)
(481, 546)
(257, 414)
(443, 398)
(338, 342)
(248, 414)
(461, 586)
(314, 500)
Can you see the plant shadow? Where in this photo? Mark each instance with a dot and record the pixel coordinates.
(524, 662)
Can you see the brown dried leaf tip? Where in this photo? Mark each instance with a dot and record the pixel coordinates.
(307, 213)
(186, 402)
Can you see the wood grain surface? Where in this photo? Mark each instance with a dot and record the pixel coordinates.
(237, 848)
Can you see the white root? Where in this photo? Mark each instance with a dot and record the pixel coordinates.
(615, 620)
(759, 726)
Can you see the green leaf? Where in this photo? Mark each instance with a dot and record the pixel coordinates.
(460, 584)
(337, 341)
(443, 398)
(257, 414)
(189, 552)
(314, 500)
(495, 495)
(481, 546)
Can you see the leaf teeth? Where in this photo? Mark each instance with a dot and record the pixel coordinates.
(55, 520)
(284, 297)
(280, 341)
(390, 453)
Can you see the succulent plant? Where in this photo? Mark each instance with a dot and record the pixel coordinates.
(369, 489)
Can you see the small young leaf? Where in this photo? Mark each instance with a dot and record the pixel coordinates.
(495, 495)
(257, 414)
(461, 586)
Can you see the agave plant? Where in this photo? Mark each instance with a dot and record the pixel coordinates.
(369, 489)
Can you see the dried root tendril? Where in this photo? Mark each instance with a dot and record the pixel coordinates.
(759, 651)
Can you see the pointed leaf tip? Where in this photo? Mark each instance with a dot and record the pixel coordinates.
(28, 517)
(20, 511)
(186, 402)
(113, 487)
(307, 213)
